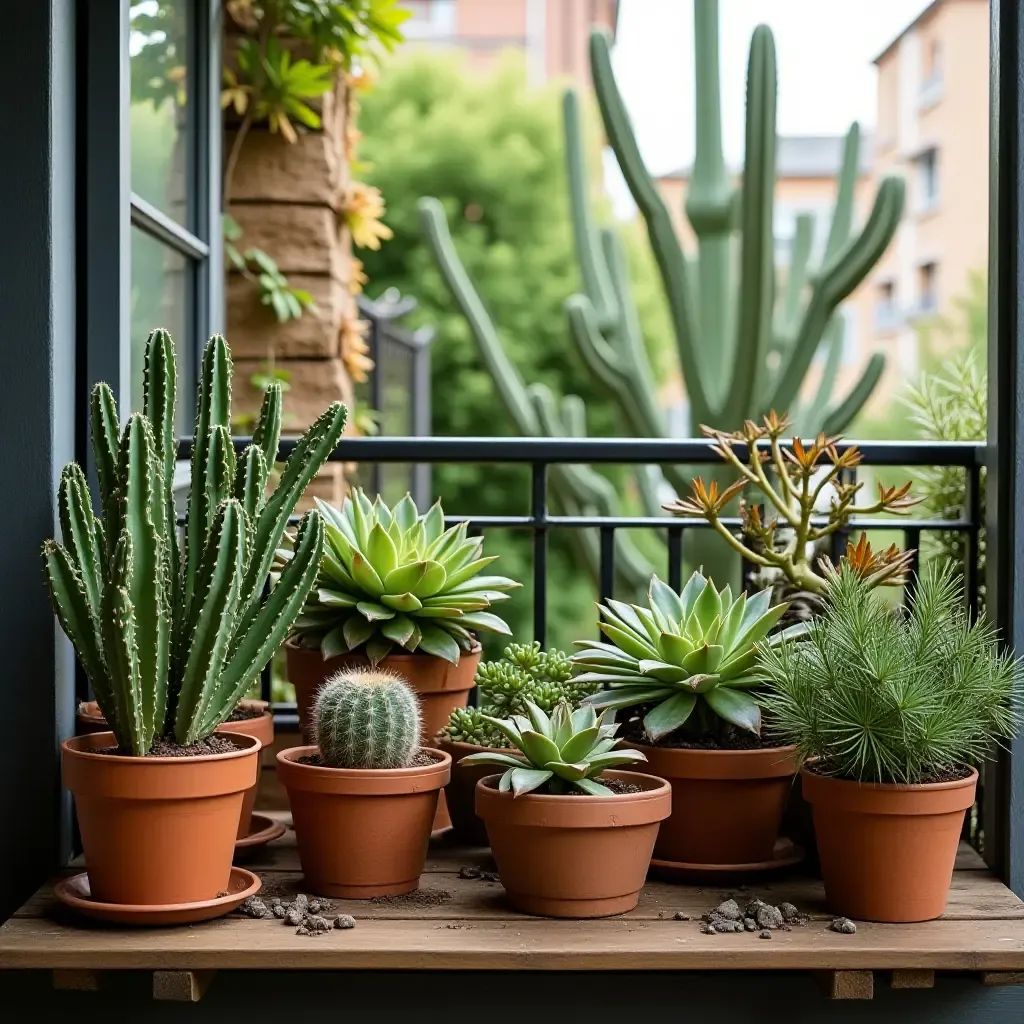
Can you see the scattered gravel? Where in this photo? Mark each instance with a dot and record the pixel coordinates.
(307, 916)
(755, 916)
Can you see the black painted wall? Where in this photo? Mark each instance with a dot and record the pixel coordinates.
(515, 997)
(36, 420)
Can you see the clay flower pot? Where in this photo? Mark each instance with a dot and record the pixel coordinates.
(361, 832)
(726, 804)
(887, 852)
(574, 856)
(157, 830)
(263, 729)
(89, 718)
(460, 793)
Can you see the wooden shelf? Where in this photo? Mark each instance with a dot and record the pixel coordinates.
(470, 928)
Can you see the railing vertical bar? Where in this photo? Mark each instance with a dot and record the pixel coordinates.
(675, 558)
(972, 553)
(607, 562)
(912, 540)
(539, 509)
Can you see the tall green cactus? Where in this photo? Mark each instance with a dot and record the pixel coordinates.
(171, 638)
(743, 347)
(577, 490)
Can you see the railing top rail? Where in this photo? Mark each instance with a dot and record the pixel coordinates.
(621, 450)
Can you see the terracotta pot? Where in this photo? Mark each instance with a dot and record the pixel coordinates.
(460, 793)
(89, 718)
(263, 729)
(158, 830)
(442, 687)
(726, 804)
(887, 852)
(361, 832)
(574, 856)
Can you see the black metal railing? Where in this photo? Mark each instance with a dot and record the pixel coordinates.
(540, 454)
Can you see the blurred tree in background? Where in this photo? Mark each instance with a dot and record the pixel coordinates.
(491, 150)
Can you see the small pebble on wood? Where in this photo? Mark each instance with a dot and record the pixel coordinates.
(680, 916)
(765, 934)
(313, 924)
(470, 872)
(843, 925)
(344, 921)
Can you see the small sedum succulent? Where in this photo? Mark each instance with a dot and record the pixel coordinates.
(392, 578)
(685, 652)
(366, 720)
(570, 749)
(524, 673)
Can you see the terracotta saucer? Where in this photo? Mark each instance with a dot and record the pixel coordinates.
(262, 830)
(785, 855)
(74, 892)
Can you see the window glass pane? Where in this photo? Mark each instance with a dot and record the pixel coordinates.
(160, 298)
(159, 44)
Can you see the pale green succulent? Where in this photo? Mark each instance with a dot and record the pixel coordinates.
(394, 578)
(684, 653)
(567, 750)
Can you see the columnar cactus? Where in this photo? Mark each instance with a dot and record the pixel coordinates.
(171, 638)
(366, 719)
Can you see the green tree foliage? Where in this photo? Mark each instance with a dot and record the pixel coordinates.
(491, 150)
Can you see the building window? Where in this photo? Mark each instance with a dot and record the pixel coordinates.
(927, 288)
(931, 82)
(927, 165)
(887, 313)
(429, 19)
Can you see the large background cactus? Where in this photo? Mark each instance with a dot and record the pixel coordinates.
(366, 719)
(171, 636)
(744, 344)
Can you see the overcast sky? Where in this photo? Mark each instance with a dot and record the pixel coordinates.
(824, 49)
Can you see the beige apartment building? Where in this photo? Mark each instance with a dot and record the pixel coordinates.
(552, 34)
(932, 128)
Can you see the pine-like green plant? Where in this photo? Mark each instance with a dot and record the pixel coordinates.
(686, 653)
(570, 749)
(172, 635)
(878, 696)
(394, 578)
(524, 673)
(366, 720)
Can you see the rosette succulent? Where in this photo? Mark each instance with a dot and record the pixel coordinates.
(566, 750)
(685, 653)
(393, 578)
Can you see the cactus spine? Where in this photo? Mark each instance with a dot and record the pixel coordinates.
(366, 719)
(743, 348)
(171, 639)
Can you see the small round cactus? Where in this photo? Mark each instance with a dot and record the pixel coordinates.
(366, 719)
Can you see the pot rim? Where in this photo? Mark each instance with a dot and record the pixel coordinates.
(720, 765)
(462, 745)
(246, 744)
(404, 655)
(660, 787)
(291, 755)
(852, 785)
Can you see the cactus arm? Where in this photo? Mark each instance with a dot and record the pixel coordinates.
(600, 358)
(808, 420)
(268, 427)
(251, 485)
(506, 377)
(121, 653)
(796, 280)
(221, 471)
(146, 585)
(709, 200)
(842, 212)
(213, 408)
(837, 279)
(78, 528)
(274, 619)
(159, 403)
(757, 248)
(103, 416)
(839, 418)
(309, 454)
(217, 597)
(597, 284)
(660, 229)
(78, 620)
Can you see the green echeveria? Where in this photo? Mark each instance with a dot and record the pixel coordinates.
(699, 646)
(394, 578)
(567, 750)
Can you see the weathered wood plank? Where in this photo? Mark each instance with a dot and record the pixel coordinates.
(181, 986)
(1002, 978)
(912, 979)
(847, 984)
(523, 944)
